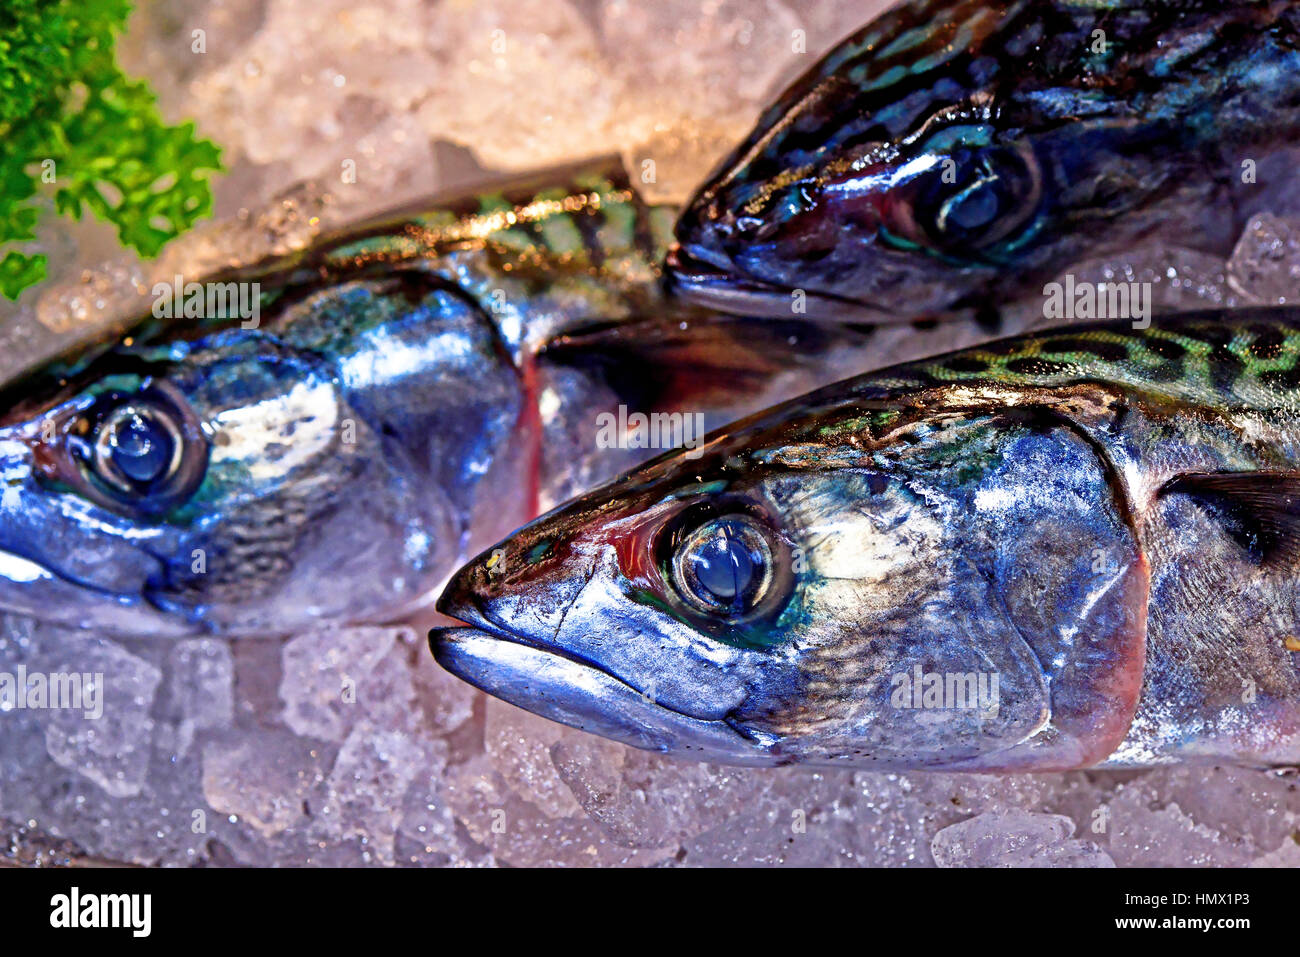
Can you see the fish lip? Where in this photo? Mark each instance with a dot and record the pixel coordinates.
(479, 621)
(12, 559)
(583, 696)
(89, 606)
(712, 280)
(699, 258)
(48, 572)
(630, 717)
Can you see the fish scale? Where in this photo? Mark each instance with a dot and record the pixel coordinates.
(1204, 361)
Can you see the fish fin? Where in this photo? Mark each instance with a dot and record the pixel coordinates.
(684, 361)
(1260, 510)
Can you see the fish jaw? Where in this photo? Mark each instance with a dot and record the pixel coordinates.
(714, 282)
(30, 588)
(583, 696)
(59, 561)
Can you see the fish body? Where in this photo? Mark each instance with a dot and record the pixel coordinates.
(954, 154)
(407, 389)
(1066, 550)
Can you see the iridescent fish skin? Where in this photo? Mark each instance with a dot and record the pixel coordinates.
(1088, 538)
(956, 153)
(413, 388)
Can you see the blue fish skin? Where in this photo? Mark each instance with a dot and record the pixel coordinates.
(956, 153)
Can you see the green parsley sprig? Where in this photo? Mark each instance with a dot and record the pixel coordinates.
(74, 126)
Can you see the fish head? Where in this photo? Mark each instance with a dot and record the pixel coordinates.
(948, 154)
(893, 233)
(793, 594)
(152, 494)
(251, 480)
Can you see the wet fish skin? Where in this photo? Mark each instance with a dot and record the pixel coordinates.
(1103, 518)
(956, 153)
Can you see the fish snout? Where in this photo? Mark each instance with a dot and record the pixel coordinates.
(65, 564)
(504, 569)
(522, 585)
(459, 594)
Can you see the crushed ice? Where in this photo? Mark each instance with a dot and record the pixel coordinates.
(350, 746)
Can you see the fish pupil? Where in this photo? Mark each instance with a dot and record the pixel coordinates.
(141, 448)
(974, 207)
(724, 566)
(980, 201)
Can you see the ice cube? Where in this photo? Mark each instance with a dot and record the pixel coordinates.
(112, 748)
(1265, 264)
(520, 744)
(263, 777)
(516, 831)
(363, 799)
(1288, 855)
(1148, 827)
(202, 681)
(334, 676)
(1015, 838)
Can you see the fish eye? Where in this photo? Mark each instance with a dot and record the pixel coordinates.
(137, 447)
(725, 567)
(972, 203)
(137, 452)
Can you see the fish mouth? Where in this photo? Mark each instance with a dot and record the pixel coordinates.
(581, 694)
(708, 278)
(32, 588)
